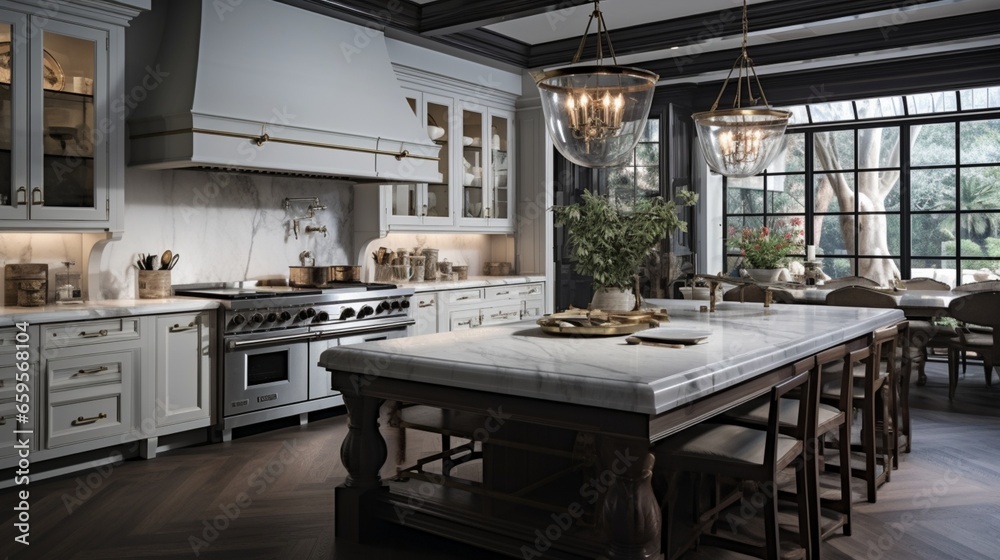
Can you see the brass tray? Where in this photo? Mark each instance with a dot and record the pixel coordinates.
(618, 329)
(597, 323)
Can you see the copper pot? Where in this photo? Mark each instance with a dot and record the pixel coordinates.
(310, 276)
(346, 273)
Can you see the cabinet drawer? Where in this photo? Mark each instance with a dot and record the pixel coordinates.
(86, 333)
(467, 319)
(9, 343)
(513, 291)
(86, 414)
(8, 379)
(464, 296)
(426, 300)
(8, 423)
(533, 308)
(90, 369)
(502, 314)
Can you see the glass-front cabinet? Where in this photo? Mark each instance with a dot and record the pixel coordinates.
(427, 204)
(476, 193)
(53, 91)
(486, 190)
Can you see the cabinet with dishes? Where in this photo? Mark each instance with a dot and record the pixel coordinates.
(474, 127)
(61, 138)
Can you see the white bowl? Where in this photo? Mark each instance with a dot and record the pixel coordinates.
(469, 178)
(466, 140)
(435, 132)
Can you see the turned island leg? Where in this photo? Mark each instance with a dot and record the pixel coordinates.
(363, 453)
(630, 515)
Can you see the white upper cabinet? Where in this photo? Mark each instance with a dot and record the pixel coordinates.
(61, 148)
(474, 127)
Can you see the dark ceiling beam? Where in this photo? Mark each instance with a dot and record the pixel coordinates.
(919, 74)
(489, 44)
(397, 14)
(453, 16)
(697, 28)
(866, 40)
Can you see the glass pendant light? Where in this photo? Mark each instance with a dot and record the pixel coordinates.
(595, 114)
(741, 141)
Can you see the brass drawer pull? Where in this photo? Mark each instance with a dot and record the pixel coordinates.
(22, 196)
(91, 371)
(503, 293)
(426, 304)
(464, 323)
(102, 332)
(463, 298)
(37, 198)
(178, 328)
(81, 421)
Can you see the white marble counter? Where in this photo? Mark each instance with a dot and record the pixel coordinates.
(471, 282)
(58, 313)
(520, 359)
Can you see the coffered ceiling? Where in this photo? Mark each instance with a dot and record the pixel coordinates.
(696, 42)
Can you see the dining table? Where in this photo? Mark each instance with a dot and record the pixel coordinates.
(915, 304)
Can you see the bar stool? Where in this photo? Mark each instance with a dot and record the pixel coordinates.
(748, 454)
(829, 418)
(875, 376)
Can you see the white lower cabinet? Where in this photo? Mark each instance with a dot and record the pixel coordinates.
(107, 383)
(468, 308)
(183, 370)
(426, 313)
(18, 391)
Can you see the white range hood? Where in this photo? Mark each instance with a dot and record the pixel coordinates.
(268, 87)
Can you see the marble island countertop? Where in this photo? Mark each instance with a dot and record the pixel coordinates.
(57, 313)
(520, 359)
(471, 282)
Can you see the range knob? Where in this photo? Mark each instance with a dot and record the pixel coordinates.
(384, 306)
(285, 316)
(394, 305)
(365, 311)
(405, 304)
(239, 319)
(256, 318)
(272, 317)
(347, 313)
(307, 314)
(322, 317)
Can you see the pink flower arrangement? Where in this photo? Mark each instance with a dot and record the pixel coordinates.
(766, 247)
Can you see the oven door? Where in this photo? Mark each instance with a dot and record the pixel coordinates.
(319, 377)
(265, 370)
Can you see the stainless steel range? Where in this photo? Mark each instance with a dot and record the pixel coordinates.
(271, 338)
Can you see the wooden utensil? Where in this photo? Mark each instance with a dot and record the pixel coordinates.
(165, 259)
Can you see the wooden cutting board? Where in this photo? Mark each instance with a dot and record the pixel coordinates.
(13, 273)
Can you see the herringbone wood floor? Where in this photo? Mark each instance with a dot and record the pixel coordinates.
(271, 494)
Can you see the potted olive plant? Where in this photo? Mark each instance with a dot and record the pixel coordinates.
(609, 243)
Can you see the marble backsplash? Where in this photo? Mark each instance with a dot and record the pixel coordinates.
(225, 226)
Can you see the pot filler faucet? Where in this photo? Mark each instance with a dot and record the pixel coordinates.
(314, 206)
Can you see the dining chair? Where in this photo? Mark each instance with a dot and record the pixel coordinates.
(927, 335)
(975, 309)
(750, 455)
(909, 354)
(830, 418)
(984, 286)
(755, 294)
(925, 284)
(835, 283)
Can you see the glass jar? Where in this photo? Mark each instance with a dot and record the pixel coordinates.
(430, 263)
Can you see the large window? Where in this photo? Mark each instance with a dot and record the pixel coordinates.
(900, 198)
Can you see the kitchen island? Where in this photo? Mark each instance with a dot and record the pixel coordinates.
(565, 424)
